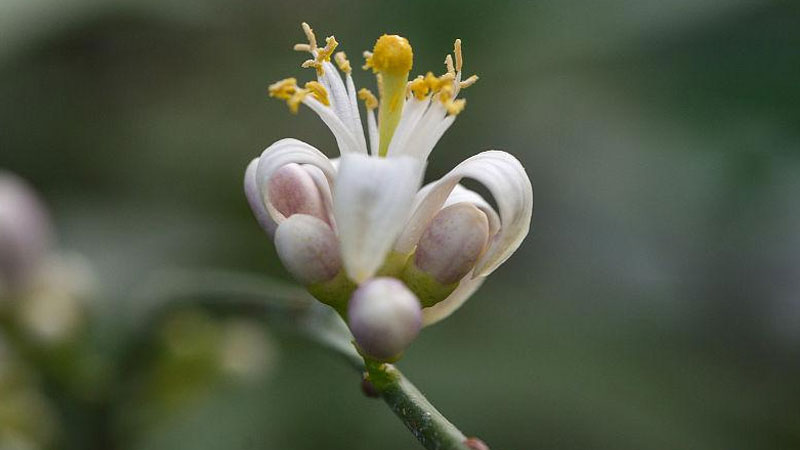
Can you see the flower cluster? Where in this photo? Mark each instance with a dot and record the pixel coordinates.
(360, 231)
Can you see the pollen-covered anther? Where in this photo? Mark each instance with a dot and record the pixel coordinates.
(459, 58)
(454, 107)
(367, 59)
(283, 89)
(448, 62)
(370, 101)
(318, 91)
(296, 99)
(419, 87)
(312, 39)
(324, 54)
(343, 62)
(392, 55)
(437, 84)
(468, 82)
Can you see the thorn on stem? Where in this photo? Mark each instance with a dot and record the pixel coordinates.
(368, 388)
(476, 444)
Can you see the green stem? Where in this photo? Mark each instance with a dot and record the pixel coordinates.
(425, 422)
(323, 327)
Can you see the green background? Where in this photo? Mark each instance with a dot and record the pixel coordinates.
(655, 304)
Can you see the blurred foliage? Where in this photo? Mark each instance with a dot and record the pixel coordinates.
(655, 304)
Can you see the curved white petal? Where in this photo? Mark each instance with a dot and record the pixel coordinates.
(253, 195)
(321, 181)
(278, 155)
(443, 309)
(372, 201)
(508, 183)
(345, 139)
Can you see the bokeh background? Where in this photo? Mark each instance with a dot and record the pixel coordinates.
(655, 304)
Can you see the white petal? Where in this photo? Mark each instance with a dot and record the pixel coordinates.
(412, 112)
(278, 155)
(324, 189)
(345, 139)
(372, 126)
(443, 309)
(372, 202)
(506, 179)
(358, 128)
(253, 195)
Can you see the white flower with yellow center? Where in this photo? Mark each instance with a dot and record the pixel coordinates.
(341, 223)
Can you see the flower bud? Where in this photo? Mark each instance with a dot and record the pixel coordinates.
(292, 191)
(25, 233)
(385, 317)
(446, 252)
(308, 249)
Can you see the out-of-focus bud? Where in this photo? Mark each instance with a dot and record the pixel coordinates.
(446, 252)
(292, 191)
(27, 418)
(246, 351)
(56, 303)
(25, 233)
(385, 317)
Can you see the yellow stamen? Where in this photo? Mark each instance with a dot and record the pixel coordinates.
(448, 61)
(283, 89)
(287, 89)
(367, 60)
(456, 106)
(438, 83)
(342, 62)
(468, 82)
(312, 40)
(446, 93)
(324, 54)
(318, 91)
(391, 59)
(370, 101)
(419, 87)
(295, 100)
(457, 51)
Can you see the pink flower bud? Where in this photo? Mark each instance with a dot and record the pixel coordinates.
(308, 249)
(25, 233)
(385, 317)
(452, 243)
(292, 191)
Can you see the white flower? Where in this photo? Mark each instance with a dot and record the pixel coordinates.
(372, 194)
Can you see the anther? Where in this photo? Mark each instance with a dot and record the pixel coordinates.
(370, 101)
(318, 91)
(283, 89)
(448, 61)
(457, 51)
(468, 82)
(419, 87)
(312, 40)
(342, 62)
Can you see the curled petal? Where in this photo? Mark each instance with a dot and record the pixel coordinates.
(254, 199)
(443, 309)
(279, 154)
(508, 183)
(372, 201)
